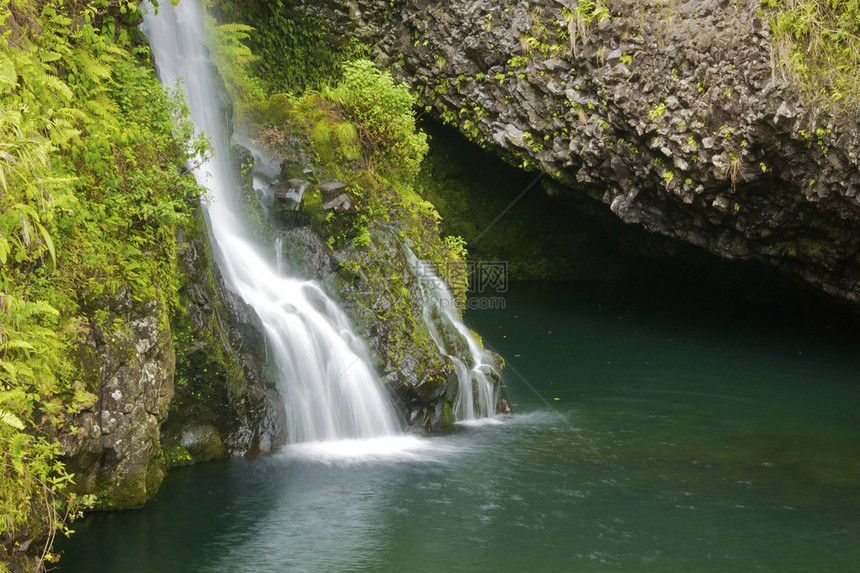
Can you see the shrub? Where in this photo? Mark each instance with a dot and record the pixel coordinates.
(382, 112)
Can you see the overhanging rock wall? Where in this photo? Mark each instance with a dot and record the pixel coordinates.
(674, 114)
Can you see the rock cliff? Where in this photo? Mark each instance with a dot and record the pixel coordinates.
(127, 360)
(673, 114)
(225, 403)
(170, 390)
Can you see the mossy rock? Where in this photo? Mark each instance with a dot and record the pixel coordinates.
(202, 442)
(174, 455)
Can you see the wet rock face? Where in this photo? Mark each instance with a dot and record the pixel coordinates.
(670, 113)
(129, 363)
(296, 202)
(225, 402)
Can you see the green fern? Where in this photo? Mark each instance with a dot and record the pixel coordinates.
(91, 193)
(11, 420)
(234, 58)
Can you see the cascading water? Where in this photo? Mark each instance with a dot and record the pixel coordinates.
(477, 394)
(329, 388)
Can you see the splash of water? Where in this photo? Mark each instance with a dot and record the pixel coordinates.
(330, 390)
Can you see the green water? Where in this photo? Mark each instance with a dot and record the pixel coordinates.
(646, 438)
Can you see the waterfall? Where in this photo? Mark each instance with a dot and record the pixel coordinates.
(329, 388)
(477, 395)
(279, 255)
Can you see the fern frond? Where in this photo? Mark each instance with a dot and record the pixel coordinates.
(49, 56)
(16, 447)
(9, 367)
(10, 120)
(103, 106)
(39, 308)
(10, 419)
(115, 50)
(17, 344)
(72, 113)
(8, 75)
(60, 134)
(93, 67)
(53, 83)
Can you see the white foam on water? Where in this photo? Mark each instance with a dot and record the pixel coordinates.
(389, 448)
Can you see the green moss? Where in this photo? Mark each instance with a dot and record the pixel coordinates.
(814, 247)
(447, 414)
(207, 372)
(175, 455)
(312, 199)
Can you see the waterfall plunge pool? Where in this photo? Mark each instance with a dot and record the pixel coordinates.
(643, 440)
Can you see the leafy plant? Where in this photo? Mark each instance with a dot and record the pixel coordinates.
(296, 47)
(587, 14)
(92, 189)
(381, 111)
(658, 111)
(457, 245)
(231, 52)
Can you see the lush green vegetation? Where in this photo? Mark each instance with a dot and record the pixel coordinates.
(92, 188)
(295, 50)
(361, 131)
(350, 122)
(354, 122)
(818, 41)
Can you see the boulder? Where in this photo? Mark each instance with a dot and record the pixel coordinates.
(128, 362)
(331, 189)
(343, 203)
(288, 202)
(288, 195)
(202, 441)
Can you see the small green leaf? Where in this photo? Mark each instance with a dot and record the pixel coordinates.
(49, 243)
(8, 75)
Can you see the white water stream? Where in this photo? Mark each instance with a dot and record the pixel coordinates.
(328, 386)
(477, 395)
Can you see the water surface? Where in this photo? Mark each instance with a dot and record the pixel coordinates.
(646, 438)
